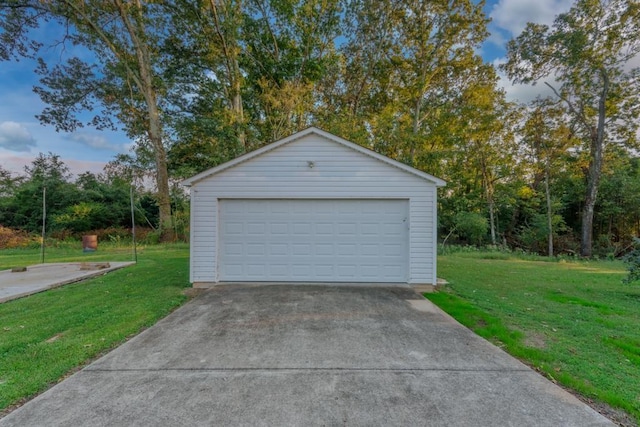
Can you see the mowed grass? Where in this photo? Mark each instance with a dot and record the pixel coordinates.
(47, 335)
(69, 252)
(574, 321)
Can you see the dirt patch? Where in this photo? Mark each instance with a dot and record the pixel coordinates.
(54, 338)
(535, 340)
(481, 323)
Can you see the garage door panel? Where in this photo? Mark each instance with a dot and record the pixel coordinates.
(278, 270)
(324, 271)
(234, 228)
(232, 249)
(347, 228)
(258, 249)
(314, 240)
(324, 229)
(256, 228)
(323, 249)
(347, 249)
(392, 250)
(278, 249)
(302, 229)
(301, 249)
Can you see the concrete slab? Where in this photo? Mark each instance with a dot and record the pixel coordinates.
(40, 277)
(312, 355)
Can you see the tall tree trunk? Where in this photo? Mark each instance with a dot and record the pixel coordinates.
(162, 175)
(416, 128)
(487, 182)
(595, 170)
(154, 129)
(547, 193)
(239, 111)
(492, 221)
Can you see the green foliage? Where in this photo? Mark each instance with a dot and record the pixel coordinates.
(23, 207)
(588, 51)
(632, 259)
(81, 217)
(534, 235)
(471, 226)
(400, 77)
(91, 203)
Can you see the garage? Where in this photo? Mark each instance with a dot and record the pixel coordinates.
(313, 207)
(314, 240)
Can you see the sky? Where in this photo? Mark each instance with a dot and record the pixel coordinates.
(22, 137)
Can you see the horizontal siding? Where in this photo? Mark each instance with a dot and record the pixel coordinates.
(338, 172)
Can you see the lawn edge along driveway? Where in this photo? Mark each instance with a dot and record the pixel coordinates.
(313, 355)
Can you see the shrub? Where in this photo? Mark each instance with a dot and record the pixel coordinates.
(471, 226)
(632, 259)
(10, 238)
(81, 217)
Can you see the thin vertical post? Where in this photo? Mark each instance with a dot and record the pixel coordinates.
(44, 218)
(133, 226)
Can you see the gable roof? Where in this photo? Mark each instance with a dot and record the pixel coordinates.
(311, 130)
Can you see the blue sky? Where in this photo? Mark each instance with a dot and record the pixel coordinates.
(22, 137)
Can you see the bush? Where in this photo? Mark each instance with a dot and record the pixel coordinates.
(81, 217)
(632, 259)
(535, 235)
(10, 239)
(471, 226)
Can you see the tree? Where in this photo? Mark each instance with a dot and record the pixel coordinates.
(617, 217)
(125, 75)
(289, 47)
(486, 118)
(206, 46)
(23, 209)
(8, 183)
(546, 139)
(408, 58)
(587, 51)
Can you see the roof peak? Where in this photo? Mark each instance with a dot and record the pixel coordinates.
(298, 135)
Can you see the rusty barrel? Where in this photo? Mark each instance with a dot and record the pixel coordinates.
(90, 243)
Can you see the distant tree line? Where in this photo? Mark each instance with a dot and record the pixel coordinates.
(199, 82)
(87, 204)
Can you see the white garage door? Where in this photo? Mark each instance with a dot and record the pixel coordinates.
(314, 240)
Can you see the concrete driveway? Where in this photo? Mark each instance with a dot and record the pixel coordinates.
(306, 355)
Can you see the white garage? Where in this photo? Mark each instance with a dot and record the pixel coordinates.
(313, 207)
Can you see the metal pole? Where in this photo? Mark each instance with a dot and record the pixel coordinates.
(44, 218)
(133, 226)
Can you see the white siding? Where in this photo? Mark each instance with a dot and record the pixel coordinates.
(338, 172)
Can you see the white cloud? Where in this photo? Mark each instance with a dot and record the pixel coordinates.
(15, 137)
(523, 93)
(98, 142)
(17, 163)
(80, 166)
(509, 18)
(513, 15)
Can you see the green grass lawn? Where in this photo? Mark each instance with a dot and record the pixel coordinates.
(45, 336)
(69, 252)
(574, 321)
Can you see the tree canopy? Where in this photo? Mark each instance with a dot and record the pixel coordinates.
(198, 82)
